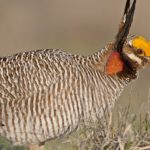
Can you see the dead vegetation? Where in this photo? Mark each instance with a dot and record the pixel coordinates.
(126, 133)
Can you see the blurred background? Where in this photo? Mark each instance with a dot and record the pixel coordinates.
(77, 26)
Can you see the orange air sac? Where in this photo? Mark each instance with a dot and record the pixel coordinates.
(114, 63)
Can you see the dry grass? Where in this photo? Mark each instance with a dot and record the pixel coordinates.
(126, 133)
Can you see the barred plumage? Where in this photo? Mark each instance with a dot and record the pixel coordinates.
(47, 93)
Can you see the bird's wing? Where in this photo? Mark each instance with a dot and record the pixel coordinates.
(40, 84)
(25, 73)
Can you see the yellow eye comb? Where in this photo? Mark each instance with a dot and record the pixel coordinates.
(141, 43)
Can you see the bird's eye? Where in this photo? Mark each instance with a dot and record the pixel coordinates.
(140, 51)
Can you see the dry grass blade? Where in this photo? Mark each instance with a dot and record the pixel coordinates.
(123, 135)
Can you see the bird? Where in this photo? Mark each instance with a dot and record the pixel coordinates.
(47, 93)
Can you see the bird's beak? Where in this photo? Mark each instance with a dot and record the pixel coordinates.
(148, 64)
(148, 60)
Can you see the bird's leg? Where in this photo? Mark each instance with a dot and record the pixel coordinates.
(36, 147)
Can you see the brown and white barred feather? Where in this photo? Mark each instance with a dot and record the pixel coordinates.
(47, 93)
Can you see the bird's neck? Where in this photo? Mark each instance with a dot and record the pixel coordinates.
(99, 61)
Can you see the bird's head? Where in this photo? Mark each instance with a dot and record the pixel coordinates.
(136, 52)
(128, 55)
